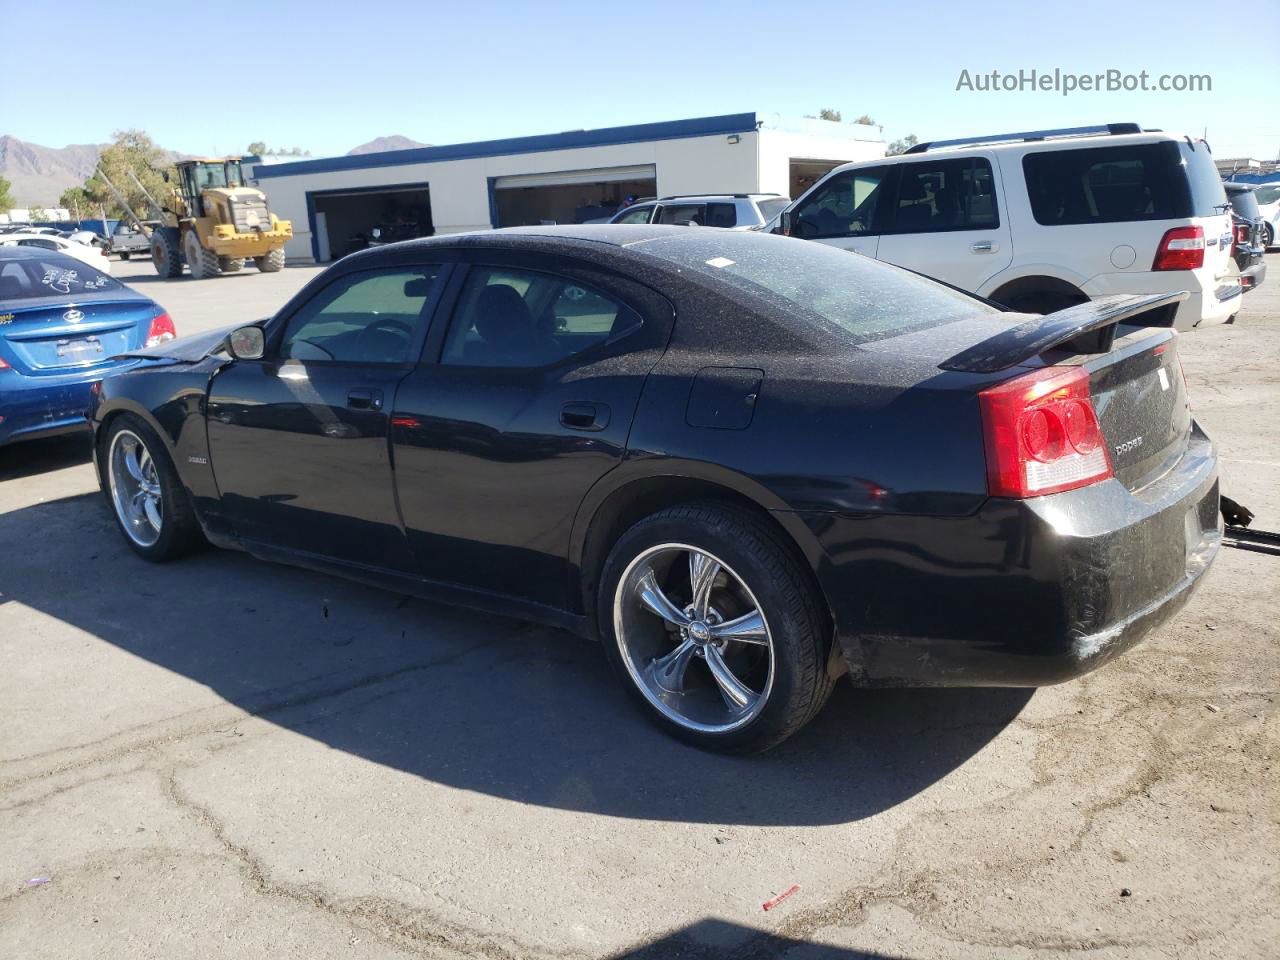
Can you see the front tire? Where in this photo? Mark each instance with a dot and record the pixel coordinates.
(144, 491)
(124, 255)
(713, 626)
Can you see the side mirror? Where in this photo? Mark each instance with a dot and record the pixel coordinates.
(247, 343)
(786, 223)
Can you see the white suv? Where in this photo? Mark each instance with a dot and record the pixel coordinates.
(735, 211)
(1039, 221)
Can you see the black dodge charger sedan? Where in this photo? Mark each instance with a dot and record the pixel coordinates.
(747, 463)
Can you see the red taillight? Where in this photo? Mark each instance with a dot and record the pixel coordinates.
(3, 365)
(161, 330)
(1042, 434)
(1181, 248)
(1242, 235)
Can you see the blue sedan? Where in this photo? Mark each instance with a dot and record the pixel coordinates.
(61, 324)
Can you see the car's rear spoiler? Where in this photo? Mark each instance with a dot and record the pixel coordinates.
(1085, 328)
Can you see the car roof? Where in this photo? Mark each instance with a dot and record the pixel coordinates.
(28, 253)
(617, 235)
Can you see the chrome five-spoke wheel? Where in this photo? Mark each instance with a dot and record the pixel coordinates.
(693, 638)
(135, 488)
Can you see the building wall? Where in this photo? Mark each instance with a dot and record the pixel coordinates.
(779, 147)
(460, 188)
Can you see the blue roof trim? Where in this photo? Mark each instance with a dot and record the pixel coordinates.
(604, 137)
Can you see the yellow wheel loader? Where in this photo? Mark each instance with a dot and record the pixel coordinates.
(212, 222)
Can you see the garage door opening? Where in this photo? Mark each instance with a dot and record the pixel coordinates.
(571, 196)
(347, 221)
(805, 173)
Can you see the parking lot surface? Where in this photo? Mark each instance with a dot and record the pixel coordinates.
(225, 758)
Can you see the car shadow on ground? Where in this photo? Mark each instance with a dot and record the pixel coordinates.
(470, 700)
(31, 457)
(713, 939)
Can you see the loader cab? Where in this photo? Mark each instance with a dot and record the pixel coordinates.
(197, 176)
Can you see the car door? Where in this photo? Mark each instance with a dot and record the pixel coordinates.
(682, 213)
(299, 440)
(522, 402)
(946, 221)
(845, 210)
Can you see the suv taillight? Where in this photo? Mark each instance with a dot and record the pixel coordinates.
(1181, 248)
(1242, 235)
(1042, 434)
(161, 330)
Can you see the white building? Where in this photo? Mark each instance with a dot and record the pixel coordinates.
(560, 177)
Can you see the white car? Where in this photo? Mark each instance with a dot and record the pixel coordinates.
(1041, 220)
(81, 251)
(1268, 197)
(732, 211)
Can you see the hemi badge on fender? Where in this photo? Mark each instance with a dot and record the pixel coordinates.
(200, 460)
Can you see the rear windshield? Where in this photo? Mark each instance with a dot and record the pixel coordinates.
(856, 294)
(50, 276)
(1142, 181)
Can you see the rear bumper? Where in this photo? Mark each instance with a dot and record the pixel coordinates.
(1207, 303)
(35, 407)
(1022, 593)
(1251, 277)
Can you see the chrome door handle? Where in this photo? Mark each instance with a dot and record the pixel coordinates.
(982, 246)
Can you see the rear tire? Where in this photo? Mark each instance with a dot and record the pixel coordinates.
(778, 659)
(146, 496)
(230, 264)
(124, 255)
(201, 262)
(1271, 236)
(273, 262)
(166, 252)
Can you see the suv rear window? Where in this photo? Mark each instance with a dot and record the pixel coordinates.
(1143, 181)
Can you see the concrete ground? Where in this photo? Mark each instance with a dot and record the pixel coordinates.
(224, 758)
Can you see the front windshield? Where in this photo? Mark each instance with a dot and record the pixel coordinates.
(210, 175)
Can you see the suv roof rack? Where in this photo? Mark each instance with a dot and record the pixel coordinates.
(736, 196)
(1110, 129)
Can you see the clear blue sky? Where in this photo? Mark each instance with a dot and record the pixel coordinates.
(327, 76)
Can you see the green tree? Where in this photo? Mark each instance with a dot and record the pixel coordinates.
(78, 201)
(826, 113)
(7, 202)
(257, 148)
(36, 213)
(901, 146)
(866, 119)
(130, 150)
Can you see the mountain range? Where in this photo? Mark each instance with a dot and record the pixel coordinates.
(39, 174)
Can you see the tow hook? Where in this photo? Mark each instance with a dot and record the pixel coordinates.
(1237, 518)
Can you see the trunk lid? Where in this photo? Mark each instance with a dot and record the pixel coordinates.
(56, 339)
(1140, 396)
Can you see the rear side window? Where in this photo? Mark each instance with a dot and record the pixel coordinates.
(683, 213)
(937, 196)
(522, 318)
(1144, 181)
(772, 207)
(722, 215)
(1268, 193)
